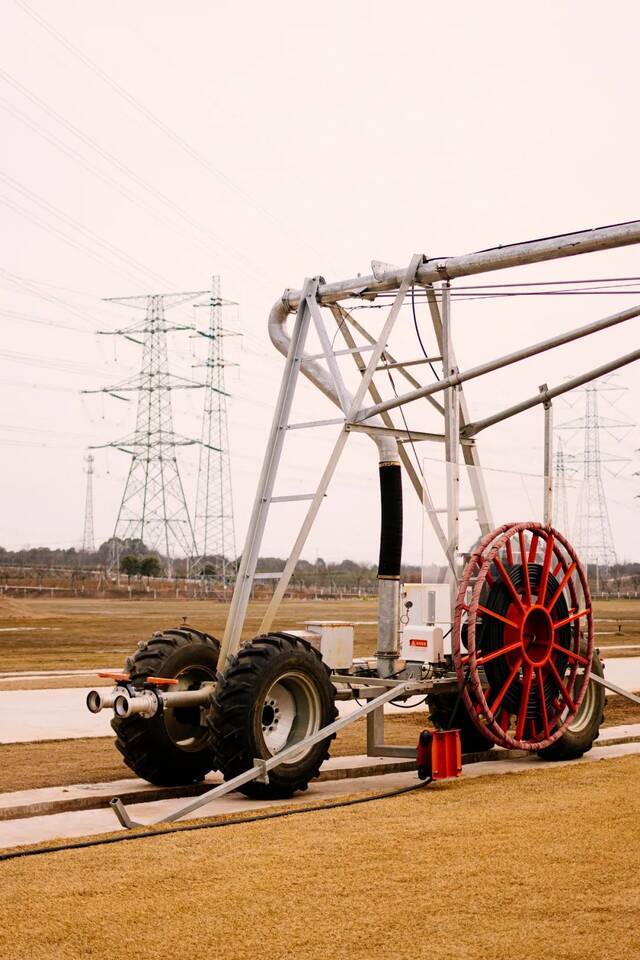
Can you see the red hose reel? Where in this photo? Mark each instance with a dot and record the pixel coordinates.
(523, 635)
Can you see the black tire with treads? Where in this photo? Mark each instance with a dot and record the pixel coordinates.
(584, 730)
(236, 721)
(146, 745)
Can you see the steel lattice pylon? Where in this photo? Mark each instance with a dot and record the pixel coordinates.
(153, 508)
(593, 534)
(561, 500)
(88, 539)
(214, 521)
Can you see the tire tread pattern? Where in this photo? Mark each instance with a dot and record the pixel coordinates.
(142, 742)
(229, 722)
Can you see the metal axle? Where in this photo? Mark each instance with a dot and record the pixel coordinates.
(147, 703)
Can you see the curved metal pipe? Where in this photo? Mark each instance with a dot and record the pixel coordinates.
(387, 445)
(388, 589)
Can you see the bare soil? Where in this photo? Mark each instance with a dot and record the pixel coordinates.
(464, 870)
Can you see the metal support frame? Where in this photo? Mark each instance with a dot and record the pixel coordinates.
(469, 449)
(418, 482)
(262, 766)
(614, 688)
(246, 572)
(459, 428)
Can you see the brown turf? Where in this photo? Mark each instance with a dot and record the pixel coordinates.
(465, 870)
(101, 633)
(25, 766)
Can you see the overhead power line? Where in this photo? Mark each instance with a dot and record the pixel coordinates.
(110, 248)
(168, 131)
(246, 265)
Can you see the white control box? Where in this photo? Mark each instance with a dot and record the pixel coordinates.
(422, 644)
(334, 640)
(425, 612)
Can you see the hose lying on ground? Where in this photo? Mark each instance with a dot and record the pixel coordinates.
(124, 837)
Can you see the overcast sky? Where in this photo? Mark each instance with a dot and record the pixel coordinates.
(147, 145)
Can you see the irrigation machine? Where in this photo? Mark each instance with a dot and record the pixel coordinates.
(502, 650)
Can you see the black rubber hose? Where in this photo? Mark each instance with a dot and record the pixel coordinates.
(391, 521)
(188, 828)
(492, 638)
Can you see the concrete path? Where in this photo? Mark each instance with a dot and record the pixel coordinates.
(61, 714)
(90, 822)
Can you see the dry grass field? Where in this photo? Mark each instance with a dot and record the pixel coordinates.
(464, 870)
(25, 766)
(72, 634)
(50, 763)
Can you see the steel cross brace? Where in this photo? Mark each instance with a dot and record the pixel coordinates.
(261, 767)
(614, 688)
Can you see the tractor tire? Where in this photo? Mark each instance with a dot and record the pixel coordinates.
(446, 716)
(173, 748)
(584, 730)
(275, 692)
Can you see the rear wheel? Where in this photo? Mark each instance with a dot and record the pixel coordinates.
(275, 693)
(172, 748)
(584, 729)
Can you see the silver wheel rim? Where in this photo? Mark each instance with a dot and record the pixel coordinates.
(585, 710)
(291, 711)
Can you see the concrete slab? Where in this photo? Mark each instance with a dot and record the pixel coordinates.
(61, 714)
(90, 822)
(623, 671)
(51, 674)
(85, 796)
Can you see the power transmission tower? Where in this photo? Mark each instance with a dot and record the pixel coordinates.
(214, 521)
(88, 539)
(560, 498)
(592, 534)
(153, 509)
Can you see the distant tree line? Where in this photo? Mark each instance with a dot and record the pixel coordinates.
(136, 560)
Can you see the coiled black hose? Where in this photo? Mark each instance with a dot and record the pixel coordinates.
(497, 671)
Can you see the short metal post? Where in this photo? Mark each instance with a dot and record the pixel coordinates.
(548, 458)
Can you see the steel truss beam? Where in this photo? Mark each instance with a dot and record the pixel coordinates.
(261, 768)
(459, 428)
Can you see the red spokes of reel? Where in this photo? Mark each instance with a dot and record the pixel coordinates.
(527, 664)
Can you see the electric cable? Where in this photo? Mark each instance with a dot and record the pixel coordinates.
(50, 208)
(415, 323)
(189, 828)
(251, 269)
(171, 134)
(406, 426)
(409, 706)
